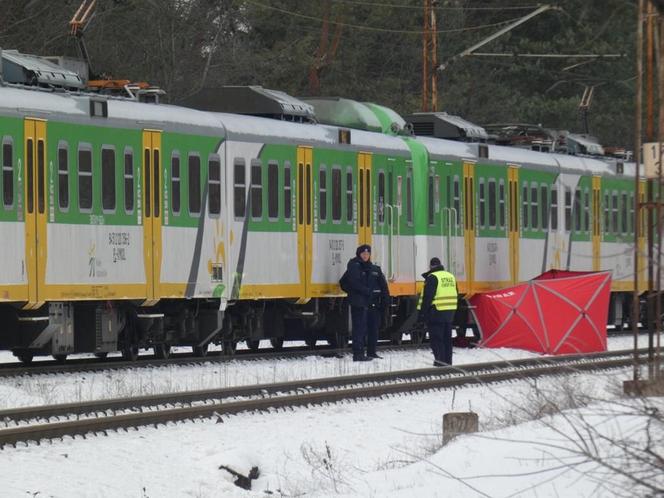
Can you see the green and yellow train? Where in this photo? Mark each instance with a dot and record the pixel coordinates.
(128, 225)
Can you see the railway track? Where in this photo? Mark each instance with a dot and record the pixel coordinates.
(45, 422)
(95, 365)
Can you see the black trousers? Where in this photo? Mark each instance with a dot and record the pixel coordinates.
(365, 329)
(440, 335)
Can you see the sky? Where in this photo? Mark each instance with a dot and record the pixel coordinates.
(376, 447)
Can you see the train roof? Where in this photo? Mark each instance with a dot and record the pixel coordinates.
(241, 127)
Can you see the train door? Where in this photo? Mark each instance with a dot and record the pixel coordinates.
(35, 209)
(364, 211)
(469, 224)
(304, 221)
(384, 230)
(152, 215)
(596, 230)
(513, 225)
(447, 189)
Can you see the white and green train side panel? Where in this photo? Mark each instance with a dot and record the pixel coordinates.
(13, 271)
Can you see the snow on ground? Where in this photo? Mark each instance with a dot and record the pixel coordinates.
(384, 447)
(66, 388)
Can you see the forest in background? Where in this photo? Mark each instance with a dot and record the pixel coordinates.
(362, 50)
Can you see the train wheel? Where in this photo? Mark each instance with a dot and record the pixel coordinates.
(396, 339)
(162, 351)
(229, 347)
(201, 351)
(60, 358)
(417, 337)
(253, 345)
(25, 358)
(130, 353)
(311, 342)
(338, 340)
(277, 343)
(102, 355)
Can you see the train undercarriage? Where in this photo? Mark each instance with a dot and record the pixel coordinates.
(59, 329)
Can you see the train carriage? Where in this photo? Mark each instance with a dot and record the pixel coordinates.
(129, 224)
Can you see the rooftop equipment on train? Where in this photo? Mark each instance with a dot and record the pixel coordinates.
(252, 101)
(448, 126)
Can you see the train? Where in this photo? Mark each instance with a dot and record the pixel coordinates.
(130, 224)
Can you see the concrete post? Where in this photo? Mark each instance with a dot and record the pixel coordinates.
(459, 423)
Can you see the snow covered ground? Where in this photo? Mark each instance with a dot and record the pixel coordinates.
(385, 447)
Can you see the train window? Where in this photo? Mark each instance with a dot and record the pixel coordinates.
(273, 190)
(390, 189)
(349, 195)
(614, 211)
(568, 209)
(430, 198)
(436, 193)
(544, 200)
(409, 196)
(501, 203)
(108, 179)
(630, 219)
(482, 203)
(399, 189)
(322, 193)
(623, 213)
(586, 211)
(214, 185)
(534, 207)
(577, 210)
(524, 203)
(41, 175)
(239, 182)
(8, 172)
(381, 197)
(336, 194)
(175, 183)
(129, 179)
(256, 188)
(607, 213)
(457, 199)
(194, 184)
(554, 207)
(492, 203)
(63, 176)
(85, 177)
(287, 191)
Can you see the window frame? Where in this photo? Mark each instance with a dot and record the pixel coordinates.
(212, 182)
(288, 191)
(322, 193)
(84, 147)
(190, 185)
(106, 148)
(350, 197)
(337, 208)
(128, 180)
(272, 190)
(63, 146)
(239, 201)
(176, 179)
(8, 173)
(256, 189)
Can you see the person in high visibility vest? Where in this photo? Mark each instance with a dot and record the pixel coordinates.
(437, 306)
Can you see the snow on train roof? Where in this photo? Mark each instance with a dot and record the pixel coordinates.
(238, 126)
(78, 105)
(442, 147)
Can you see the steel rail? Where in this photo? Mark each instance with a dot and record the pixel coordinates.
(94, 365)
(425, 379)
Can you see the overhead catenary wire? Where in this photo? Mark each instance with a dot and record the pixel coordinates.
(418, 7)
(373, 28)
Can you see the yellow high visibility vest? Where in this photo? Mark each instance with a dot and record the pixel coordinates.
(446, 292)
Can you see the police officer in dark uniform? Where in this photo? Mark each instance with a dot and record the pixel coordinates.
(438, 303)
(368, 295)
